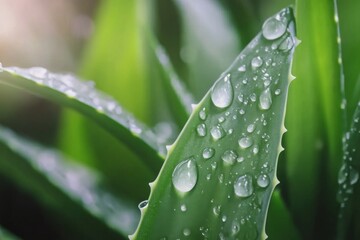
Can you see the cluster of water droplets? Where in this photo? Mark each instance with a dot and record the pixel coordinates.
(348, 175)
(85, 92)
(241, 108)
(81, 184)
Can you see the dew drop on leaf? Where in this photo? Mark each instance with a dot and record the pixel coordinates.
(243, 186)
(183, 208)
(273, 29)
(250, 128)
(342, 174)
(263, 181)
(208, 152)
(201, 129)
(217, 132)
(245, 142)
(354, 176)
(229, 157)
(202, 114)
(265, 100)
(184, 177)
(222, 93)
(256, 62)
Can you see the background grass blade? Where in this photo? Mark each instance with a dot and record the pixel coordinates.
(5, 235)
(314, 146)
(178, 97)
(280, 225)
(226, 156)
(60, 185)
(114, 60)
(69, 91)
(207, 34)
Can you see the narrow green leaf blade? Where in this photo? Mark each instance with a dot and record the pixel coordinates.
(81, 96)
(219, 175)
(179, 98)
(71, 190)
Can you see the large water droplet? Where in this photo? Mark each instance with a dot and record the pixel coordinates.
(245, 142)
(208, 152)
(273, 29)
(217, 132)
(243, 186)
(265, 99)
(222, 93)
(201, 130)
(229, 157)
(263, 180)
(235, 227)
(184, 177)
(256, 62)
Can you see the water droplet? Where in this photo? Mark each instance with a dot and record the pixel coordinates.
(242, 68)
(201, 129)
(343, 104)
(217, 132)
(223, 218)
(183, 208)
(253, 97)
(242, 111)
(221, 119)
(245, 142)
(240, 159)
(342, 174)
(186, 232)
(273, 29)
(229, 157)
(263, 181)
(243, 186)
(216, 210)
(277, 92)
(256, 62)
(222, 93)
(202, 114)
(235, 227)
(38, 72)
(143, 204)
(265, 100)
(286, 45)
(255, 149)
(250, 128)
(208, 152)
(184, 176)
(354, 176)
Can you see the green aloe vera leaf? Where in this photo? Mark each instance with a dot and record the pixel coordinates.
(314, 118)
(60, 184)
(104, 110)
(279, 224)
(348, 180)
(178, 97)
(219, 174)
(114, 60)
(6, 235)
(207, 34)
